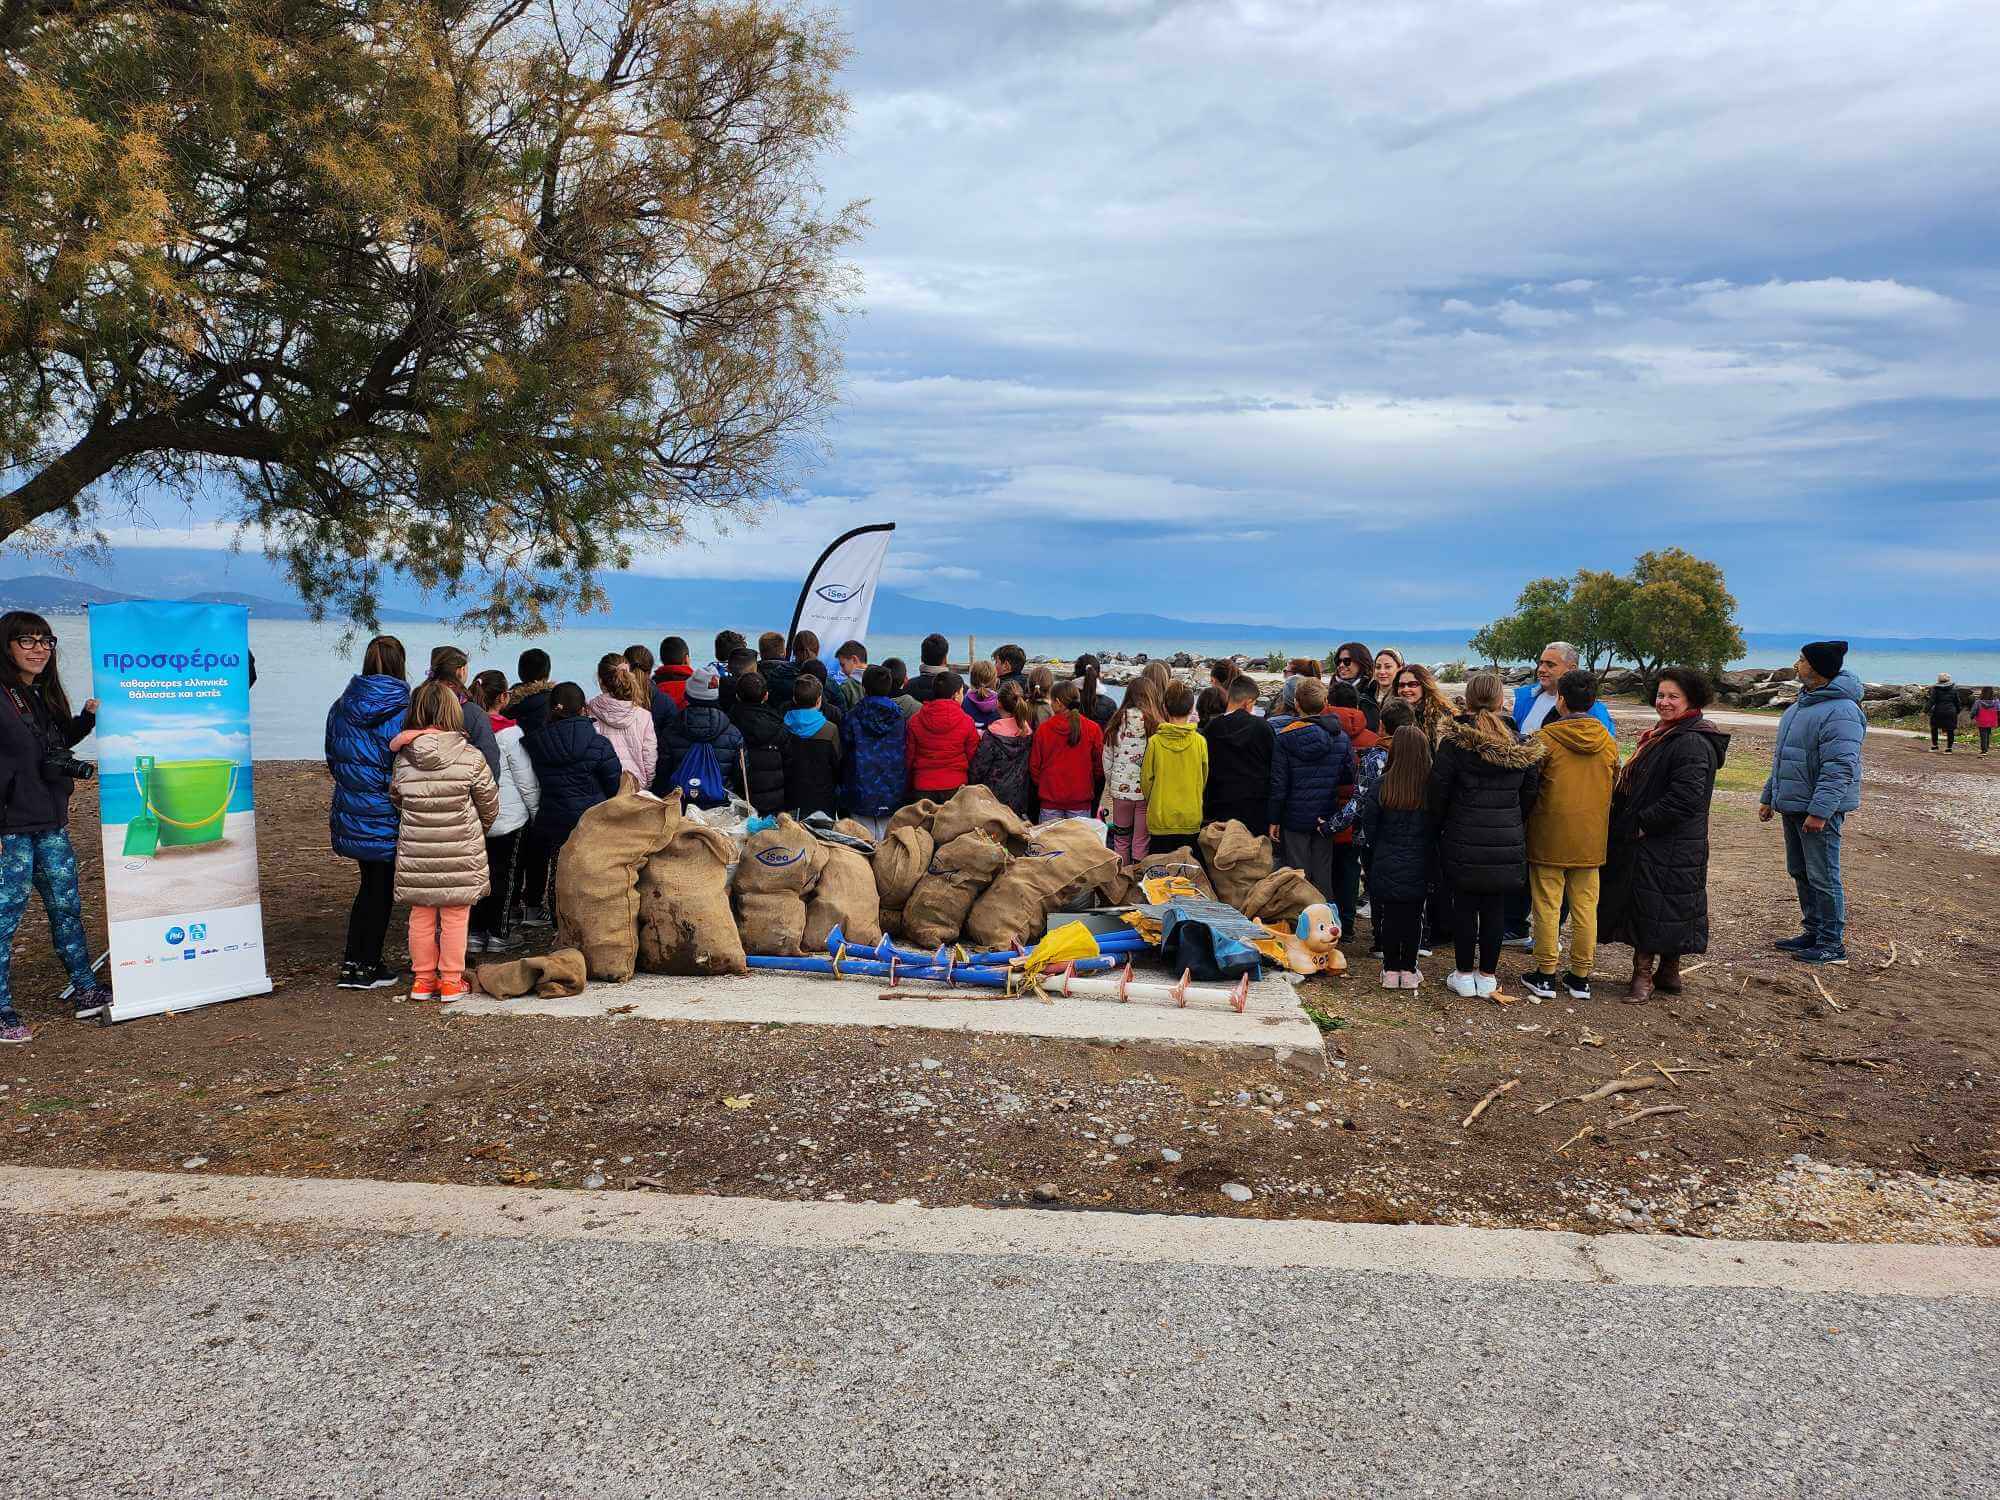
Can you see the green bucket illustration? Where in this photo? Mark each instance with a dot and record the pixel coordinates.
(182, 802)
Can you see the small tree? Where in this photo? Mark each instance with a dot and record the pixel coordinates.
(1679, 611)
(485, 291)
(1598, 606)
(1540, 613)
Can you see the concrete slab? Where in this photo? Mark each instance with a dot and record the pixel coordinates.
(1273, 1022)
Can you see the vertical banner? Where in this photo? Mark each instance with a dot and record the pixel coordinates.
(180, 830)
(839, 592)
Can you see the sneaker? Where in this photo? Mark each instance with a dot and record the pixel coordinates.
(1465, 986)
(453, 989)
(1824, 953)
(92, 1002)
(535, 916)
(1423, 953)
(12, 1030)
(1489, 985)
(356, 977)
(1411, 979)
(475, 942)
(1578, 985)
(503, 942)
(1538, 984)
(424, 989)
(1364, 910)
(1522, 939)
(1796, 944)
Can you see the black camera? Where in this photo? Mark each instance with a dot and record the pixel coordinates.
(60, 763)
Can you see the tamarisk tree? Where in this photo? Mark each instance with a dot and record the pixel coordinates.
(1672, 607)
(486, 292)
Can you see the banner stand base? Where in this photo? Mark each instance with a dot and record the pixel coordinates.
(116, 1014)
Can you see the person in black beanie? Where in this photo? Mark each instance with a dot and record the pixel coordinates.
(1815, 782)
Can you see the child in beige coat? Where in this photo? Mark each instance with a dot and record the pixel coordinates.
(445, 799)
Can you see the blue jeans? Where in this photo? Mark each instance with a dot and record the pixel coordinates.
(45, 862)
(1813, 861)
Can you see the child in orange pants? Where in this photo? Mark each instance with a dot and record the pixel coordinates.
(447, 799)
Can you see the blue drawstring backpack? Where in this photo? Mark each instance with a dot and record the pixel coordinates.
(699, 778)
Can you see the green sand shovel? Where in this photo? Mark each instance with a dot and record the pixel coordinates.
(181, 802)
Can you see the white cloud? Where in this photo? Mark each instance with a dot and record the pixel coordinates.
(1575, 287)
(1831, 300)
(1514, 314)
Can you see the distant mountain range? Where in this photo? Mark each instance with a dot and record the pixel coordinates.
(653, 606)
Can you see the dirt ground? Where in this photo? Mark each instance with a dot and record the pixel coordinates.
(1867, 1110)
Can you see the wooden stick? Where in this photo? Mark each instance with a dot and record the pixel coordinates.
(1823, 993)
(1617, 1086)
(1692, 967)
(1674, 1074)
(1640, 1114)
(1890, 961)
(1665, 1074)
(1574, 1139)
(1865, 1059)
(1491, 1094)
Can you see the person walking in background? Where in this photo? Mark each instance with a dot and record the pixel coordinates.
(1655, 885)
(1395, 828)
(1354, 664)
(576, 769)
(1066, 762)
(625, 721)
(1239, 761)
(37, 732)
(1174, 773)
(812, 753)
(1484, 781)
(1986, 717)
(520, 794)
(762, 728)
(528, 700)
(359, 726)
(1815, 782)
(446, 801)
(449, 665)
(940, 740)
(1312, 761)
(1568, 834)
(873, 754)
(1000, 764)
(1124, 764)
(1944, 712)
(982, 699)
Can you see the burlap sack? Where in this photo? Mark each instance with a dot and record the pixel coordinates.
(974, 809)
(892, 921)
(919, 814)
(1058, 858)
(550, 976)
(1281, 896)
(776, 871)
(853, 829)
(685, 924)
(844, 898)
(900, 861)
(1236, 858)
(1123, 888)
(597, 877)
(958, 873)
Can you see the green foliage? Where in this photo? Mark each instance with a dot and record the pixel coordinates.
(1275, 662)
(1324, 1021)
(482, 291)
(1673, 608)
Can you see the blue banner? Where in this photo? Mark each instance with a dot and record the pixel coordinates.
(178, 806)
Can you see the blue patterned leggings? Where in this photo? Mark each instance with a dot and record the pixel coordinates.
(48, 863)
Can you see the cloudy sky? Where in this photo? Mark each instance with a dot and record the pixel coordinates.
(1303, 313)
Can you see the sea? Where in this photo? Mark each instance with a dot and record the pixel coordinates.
(302, 667)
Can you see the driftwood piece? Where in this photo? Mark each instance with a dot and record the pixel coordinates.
(1825, 994)
(1484, 1104)
(1574, 1139)
(1640, 1114)
(1850, 1059)
(1603, 1091)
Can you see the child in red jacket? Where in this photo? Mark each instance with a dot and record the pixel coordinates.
(941, 740)
(1067, 761)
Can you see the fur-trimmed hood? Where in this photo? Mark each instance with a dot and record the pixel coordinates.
(1512, 756)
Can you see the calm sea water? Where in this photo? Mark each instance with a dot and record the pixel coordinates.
(301, 667)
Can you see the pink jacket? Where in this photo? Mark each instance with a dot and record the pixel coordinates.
(630, 730)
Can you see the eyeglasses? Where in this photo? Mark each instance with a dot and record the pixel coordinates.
(36, 642)
(1345, 661)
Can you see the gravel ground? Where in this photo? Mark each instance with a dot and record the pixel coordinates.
(146, 1363)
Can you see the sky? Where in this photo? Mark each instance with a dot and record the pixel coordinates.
(1311, 313)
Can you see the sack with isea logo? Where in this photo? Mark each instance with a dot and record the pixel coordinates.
(777, 871)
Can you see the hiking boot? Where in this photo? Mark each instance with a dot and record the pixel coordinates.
(1796, 944)
(1538, 984)
(1824, 953)
(1578, 985)
(1667, 978)
(1641, 987)
(12, 1031)
(92, 1002)
(1465, 986)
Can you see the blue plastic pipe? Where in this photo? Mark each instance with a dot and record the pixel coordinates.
(978, 978)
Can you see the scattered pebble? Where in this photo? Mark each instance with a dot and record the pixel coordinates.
(1236, 1192)
(194, 1161)
(1168, 1153)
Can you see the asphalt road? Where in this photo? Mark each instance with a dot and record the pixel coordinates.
(195, 1360)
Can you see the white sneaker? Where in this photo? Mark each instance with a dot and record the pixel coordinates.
(1391, 980)
(1465, 986)
(1411, 979)
(1488, 984)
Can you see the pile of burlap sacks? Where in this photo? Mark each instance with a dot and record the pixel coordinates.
(641, 885)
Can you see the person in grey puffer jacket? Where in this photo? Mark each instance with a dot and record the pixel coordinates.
(1815, 782)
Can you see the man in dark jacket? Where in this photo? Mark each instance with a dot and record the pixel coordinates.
(763, 731)
(1311, 761)
(1239, 761)
(703, 724)
(812, 753)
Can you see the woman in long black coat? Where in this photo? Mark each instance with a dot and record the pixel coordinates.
(1655, 889)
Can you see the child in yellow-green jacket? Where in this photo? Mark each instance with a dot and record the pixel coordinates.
(1174, 774)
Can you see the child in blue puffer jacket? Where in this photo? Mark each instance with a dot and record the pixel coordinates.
(359, 726)
(872, 753)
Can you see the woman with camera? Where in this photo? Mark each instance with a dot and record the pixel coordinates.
(37, 773)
